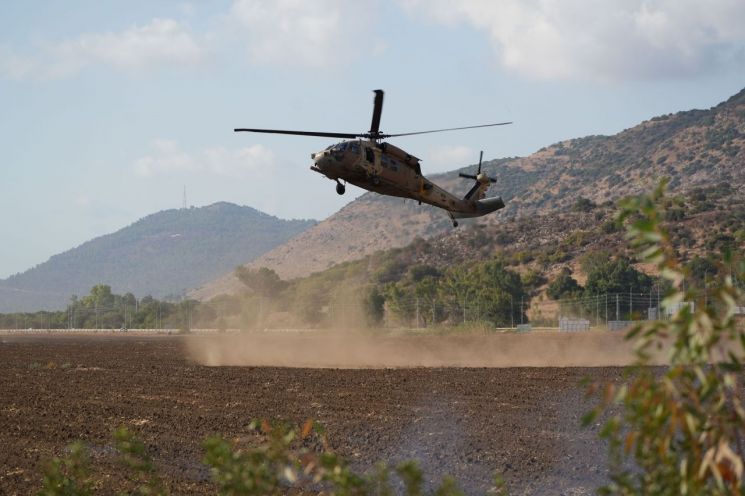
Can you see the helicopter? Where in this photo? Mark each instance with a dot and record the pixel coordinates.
(367, 161)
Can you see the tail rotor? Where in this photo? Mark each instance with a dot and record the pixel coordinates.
(482, 180)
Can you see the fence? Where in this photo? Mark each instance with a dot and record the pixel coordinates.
(612, 311)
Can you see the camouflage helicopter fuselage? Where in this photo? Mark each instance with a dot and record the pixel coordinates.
(389, 170)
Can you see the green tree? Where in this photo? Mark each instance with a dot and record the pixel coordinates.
(564, 285)
(399, 300)
(264, 281)
(99, 296)
(374, 305)
(616, 276)
(426, 291)
(457, 286)
(532, 280)
(701, 271)
(419, 272)
(593, 259)
(501, 293)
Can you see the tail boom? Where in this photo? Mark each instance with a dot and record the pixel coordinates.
(480, 207)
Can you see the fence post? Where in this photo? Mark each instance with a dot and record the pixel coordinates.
(631, 309)
(617, 308)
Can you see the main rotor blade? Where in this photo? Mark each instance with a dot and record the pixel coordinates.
(481, 157)
(467, 176)
(383, 136)
(377, 110)
(302, 133)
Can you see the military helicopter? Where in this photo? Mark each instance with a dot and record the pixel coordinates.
(369, 163)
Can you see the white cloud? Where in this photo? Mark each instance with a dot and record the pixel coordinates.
(160, 42)
(311, 33)
(168, 158)
(448, 157)
(603, 39)
(14, 66)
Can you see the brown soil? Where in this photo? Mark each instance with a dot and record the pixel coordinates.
(468, 422)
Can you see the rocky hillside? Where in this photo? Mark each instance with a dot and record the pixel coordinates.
(695, 148)
(162, 254)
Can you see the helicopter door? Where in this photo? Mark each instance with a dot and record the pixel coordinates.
(372, 158)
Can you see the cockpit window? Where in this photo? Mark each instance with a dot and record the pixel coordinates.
(337, 150)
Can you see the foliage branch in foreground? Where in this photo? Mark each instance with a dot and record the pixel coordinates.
(286, 460)
(679, 430)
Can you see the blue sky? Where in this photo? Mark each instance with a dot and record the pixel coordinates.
(110, 108)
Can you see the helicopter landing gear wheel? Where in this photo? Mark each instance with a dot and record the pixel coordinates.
(340, 188)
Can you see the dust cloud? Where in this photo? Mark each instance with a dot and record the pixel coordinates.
(355, 350)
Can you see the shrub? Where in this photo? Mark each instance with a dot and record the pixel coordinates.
(287, 460)
(563, 285)
(681, 431)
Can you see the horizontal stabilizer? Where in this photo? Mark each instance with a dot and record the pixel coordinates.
(488, 205)
(483, 207)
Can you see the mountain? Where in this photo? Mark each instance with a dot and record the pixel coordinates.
(162, 254)
(695, 148)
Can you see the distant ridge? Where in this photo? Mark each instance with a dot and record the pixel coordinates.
(694, 148)
(162, 254)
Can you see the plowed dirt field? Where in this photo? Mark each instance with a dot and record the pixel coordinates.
(467, 422)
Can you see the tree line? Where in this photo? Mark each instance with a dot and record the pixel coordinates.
(102, 309)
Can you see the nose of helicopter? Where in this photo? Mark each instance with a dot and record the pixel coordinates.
(321, 159)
